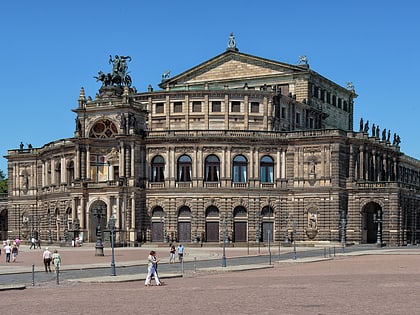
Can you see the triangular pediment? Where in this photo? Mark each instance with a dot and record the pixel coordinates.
(232, 66)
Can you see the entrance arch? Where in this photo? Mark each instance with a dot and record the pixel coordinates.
(240, 224)
(370, 212)
(267, 230)
(98, 219)
(212, 224)
(184, 224)
(158, 226)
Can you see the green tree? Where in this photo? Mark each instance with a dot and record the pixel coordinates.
(3, 183)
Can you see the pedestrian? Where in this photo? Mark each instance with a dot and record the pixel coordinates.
(180, 252)
(32, 243)
(17, 242)
(47, 259)
(38, 242)
(56, 258)
(172, 252)
(8, 251)
(151, 269)
(15, 252)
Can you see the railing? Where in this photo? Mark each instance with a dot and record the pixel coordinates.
(211, 184)
(156, 185)
(242, 133)
(378, 184)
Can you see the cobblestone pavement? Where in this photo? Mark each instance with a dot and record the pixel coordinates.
(368, 284)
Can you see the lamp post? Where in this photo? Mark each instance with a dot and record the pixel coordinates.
(343, 233)
(111, 225)
(377, 218)
(258, 233)
(224, 223)
(162, 220)
(294, 240)
(99, 212)
(49, 228)
(269, 249)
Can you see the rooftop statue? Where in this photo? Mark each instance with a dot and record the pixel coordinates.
(119, 75)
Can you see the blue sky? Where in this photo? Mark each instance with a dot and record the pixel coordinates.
(50, 49)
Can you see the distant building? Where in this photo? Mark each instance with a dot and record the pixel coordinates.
(239, 146)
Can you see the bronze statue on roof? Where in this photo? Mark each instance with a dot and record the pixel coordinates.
(119, 75)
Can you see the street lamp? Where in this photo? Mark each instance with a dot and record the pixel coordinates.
(377, 218)
(343, 233)
(286, 232)
(162, 220)
(49, 228)
(111, 225)
(224, 223)
(258, 233)
(269, 249)
(294, 239)
(99, 212)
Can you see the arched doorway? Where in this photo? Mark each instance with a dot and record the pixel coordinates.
(98, 220)
(371, 212)
(158, 224)
(3, 223)
(184, 224)
(240, 217)
(212, 224)
(267, 224)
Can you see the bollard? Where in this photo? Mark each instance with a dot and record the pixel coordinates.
(182, 267)
(195, 264)
(325, 252)
(334, 251)
(33, 275)
(57, 270)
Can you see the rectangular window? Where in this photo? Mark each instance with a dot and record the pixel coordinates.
(283, 112)
(340, 103)
(297, 118)
(160, 108)
(98, 168)
(255, 107)
(177, 107)
(311, 123)
(236, 107)
(216, 106)
(196, 107)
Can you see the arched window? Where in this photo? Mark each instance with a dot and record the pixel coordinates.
(212, 169)
(240, 169)
(266, 169)
(57, 172)
(158, 169)
(70, 172)
(184, 168)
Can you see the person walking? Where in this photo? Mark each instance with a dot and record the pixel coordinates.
(33, 243)
(15, 252)
(151, 269)
(56, 259)
(180, 252)
(172, 252)
(8, 252)
(46, 256)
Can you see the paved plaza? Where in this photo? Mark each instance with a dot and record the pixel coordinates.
(386, 282)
